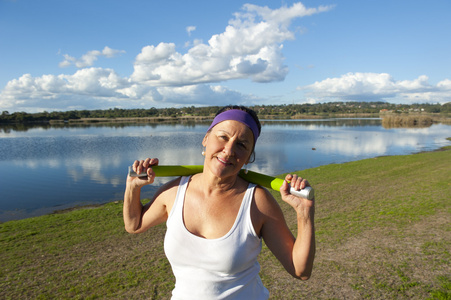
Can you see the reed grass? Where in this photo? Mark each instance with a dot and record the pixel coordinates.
(395, 121)
(413, 120)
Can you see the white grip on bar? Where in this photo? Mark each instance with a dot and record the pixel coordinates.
(306, 192)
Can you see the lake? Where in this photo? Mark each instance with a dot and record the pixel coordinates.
(48, 168)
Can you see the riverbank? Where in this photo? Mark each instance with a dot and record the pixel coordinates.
(406, 120)
(382, 229)
(73, 118)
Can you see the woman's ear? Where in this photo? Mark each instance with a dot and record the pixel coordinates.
(204, 141)
(251, 158)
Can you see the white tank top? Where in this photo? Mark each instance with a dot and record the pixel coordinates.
(222, 268)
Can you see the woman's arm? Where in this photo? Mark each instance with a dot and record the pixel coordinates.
(295, 253)
(139, 218)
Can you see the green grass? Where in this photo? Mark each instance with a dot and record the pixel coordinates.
(383, 192)
(382, 227)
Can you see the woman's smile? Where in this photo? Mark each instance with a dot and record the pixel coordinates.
(224, 161)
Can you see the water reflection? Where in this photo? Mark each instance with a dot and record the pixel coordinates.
(48, 168)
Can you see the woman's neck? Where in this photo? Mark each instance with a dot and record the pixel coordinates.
(212, 185)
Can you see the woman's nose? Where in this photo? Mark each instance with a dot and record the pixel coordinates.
(229, 148)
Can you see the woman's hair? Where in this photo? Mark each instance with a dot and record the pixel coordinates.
(254, 116)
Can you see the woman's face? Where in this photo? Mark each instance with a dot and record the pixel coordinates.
(228, 145)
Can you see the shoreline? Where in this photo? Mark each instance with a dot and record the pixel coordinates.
(435, 118)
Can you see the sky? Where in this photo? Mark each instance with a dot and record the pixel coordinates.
(58, 55)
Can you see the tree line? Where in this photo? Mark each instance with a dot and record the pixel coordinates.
(285, 110)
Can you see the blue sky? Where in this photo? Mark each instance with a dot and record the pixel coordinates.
(65, 55)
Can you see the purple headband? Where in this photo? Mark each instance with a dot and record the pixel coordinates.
(240, 116)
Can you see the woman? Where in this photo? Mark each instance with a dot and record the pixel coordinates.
(216, 220)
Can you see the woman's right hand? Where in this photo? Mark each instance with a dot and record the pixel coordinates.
(143, 166)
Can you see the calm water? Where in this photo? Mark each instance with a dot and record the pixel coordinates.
(48, 169)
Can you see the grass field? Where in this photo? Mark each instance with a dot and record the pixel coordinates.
(382, 225)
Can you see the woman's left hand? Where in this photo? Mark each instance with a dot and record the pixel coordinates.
(298, 183)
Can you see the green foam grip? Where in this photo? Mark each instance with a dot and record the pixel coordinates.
(165, 171)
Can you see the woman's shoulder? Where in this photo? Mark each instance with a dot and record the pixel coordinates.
(265, 205)
(264, 208)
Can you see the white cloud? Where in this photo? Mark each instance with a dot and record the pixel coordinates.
(284, 14)
(379, 86)
(190, 29)
(58, 92)
(89, 58)
(93, 81)
(97, 88)
(204, 95)
(250, 47)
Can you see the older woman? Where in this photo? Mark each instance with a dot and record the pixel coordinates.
(216, 220)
